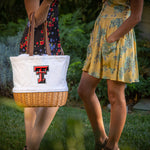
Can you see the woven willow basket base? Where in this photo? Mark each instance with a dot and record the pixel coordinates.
(43, 99)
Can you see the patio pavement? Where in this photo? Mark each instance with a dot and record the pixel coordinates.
(143, 104)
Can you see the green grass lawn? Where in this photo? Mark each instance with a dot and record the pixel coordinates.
(70, 129)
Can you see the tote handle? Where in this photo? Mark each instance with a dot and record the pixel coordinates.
(30, 46)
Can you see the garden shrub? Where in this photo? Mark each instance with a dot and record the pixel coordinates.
(12, 28)
(8, 47)
(141, 89)
(73, 76)
(75, 36)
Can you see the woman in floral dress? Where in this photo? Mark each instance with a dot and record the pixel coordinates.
(38, 119)
(111, 55)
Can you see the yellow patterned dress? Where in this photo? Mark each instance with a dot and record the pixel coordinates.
(118, 60)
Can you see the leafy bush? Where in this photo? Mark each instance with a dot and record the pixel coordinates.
(135, 91)
(12, 28)
(75, 35)
(8, 47)
(11, 11)
(89, 8)
(74, 74)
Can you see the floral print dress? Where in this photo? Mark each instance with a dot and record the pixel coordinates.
(118, 60)
(53, 34)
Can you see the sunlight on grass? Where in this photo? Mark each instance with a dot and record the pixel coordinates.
(10, 103)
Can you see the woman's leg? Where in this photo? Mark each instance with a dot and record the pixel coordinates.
(29, 119)
(86, 91)
(44, 118)
(118, 112)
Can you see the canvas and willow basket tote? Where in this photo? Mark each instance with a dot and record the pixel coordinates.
(39, 81)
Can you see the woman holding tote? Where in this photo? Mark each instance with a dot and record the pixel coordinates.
(38, 119)
(111, 55)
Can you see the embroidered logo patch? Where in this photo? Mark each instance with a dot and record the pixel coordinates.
(41, 71)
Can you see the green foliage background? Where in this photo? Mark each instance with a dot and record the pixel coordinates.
(76, 21)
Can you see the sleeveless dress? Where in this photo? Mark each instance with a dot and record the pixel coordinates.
(118, 60)
(52, 30)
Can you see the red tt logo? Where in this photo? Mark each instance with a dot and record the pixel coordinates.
(41, 70)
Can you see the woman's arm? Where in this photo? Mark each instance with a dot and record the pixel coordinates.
(128, 24)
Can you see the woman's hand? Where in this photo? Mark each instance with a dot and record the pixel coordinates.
(129, 23)
(41, 11)
(111, 39)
